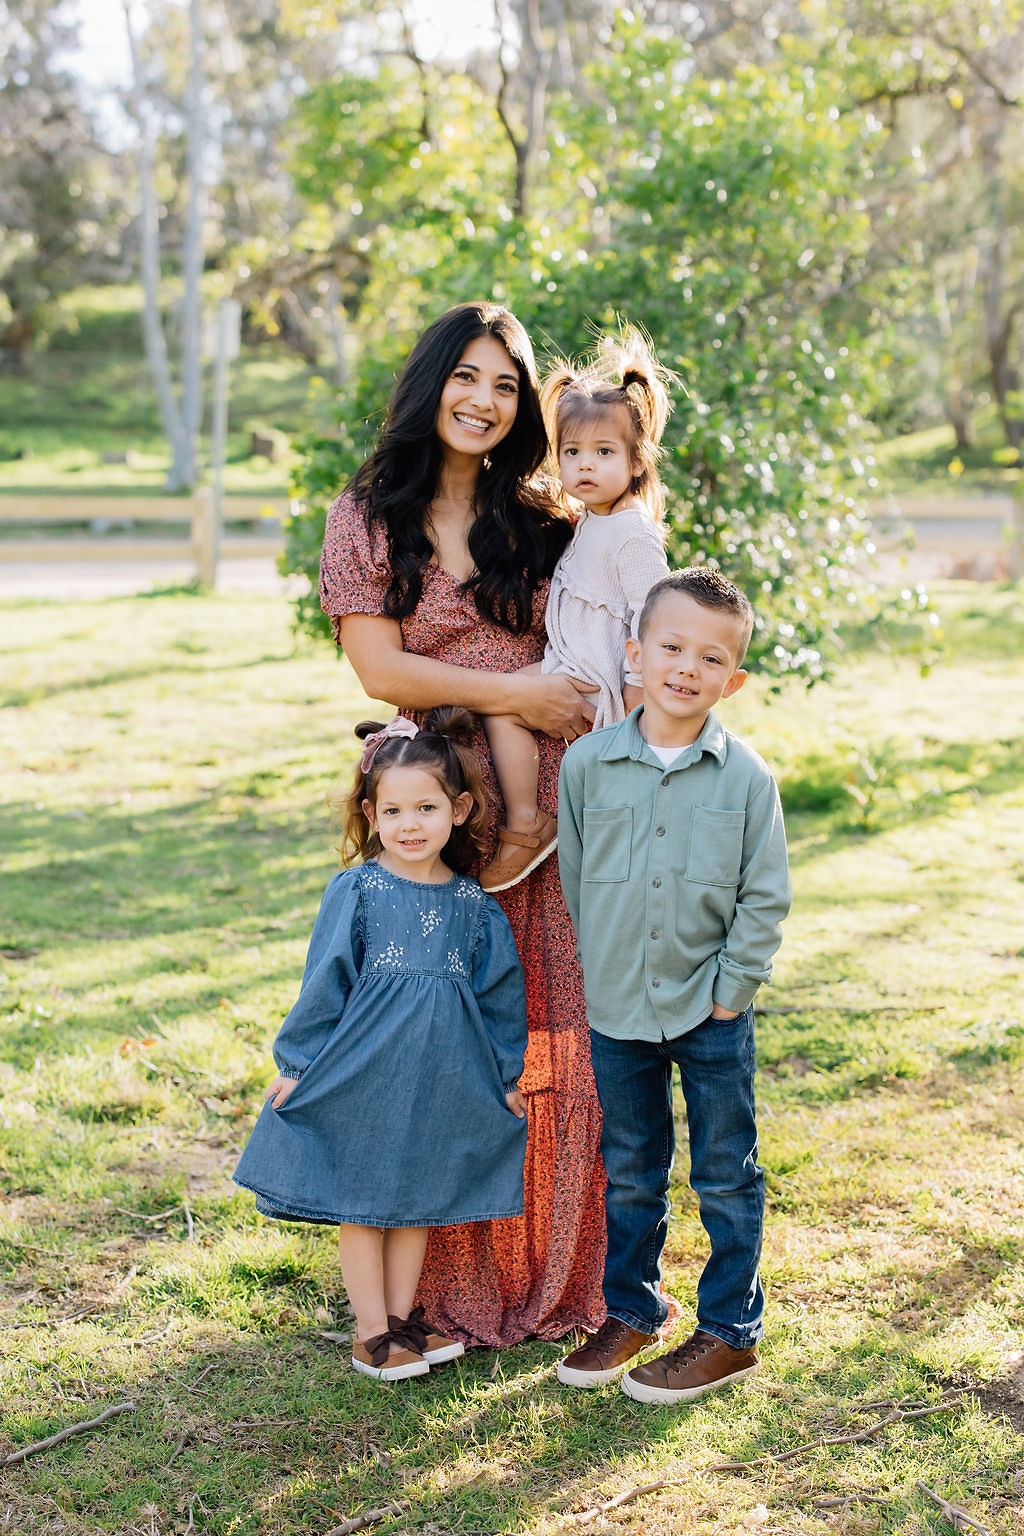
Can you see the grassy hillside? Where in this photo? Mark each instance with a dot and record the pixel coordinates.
(161, 811)
(928, 463)
(91, 394)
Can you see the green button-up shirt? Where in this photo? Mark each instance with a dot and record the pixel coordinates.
(676, 878)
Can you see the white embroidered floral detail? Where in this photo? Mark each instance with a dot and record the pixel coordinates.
(430, 920)
(391, 954)
(375, 879)
(467, 890)
(456, 964)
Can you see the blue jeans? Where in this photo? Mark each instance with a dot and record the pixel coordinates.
(634, 1083)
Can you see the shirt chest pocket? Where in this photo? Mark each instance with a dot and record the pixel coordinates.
(607, 835)
(715, 851)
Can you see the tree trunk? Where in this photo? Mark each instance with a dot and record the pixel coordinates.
(192, 318)
(957, 393)
(1002, 309)
(526, 146)
(152, 325)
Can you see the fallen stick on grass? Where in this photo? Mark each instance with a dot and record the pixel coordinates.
(959, 1519)
(65, 1434)
(139, 1216)
(948, 1400)
(620, 1499)
(145, 1338)
(370, 1517)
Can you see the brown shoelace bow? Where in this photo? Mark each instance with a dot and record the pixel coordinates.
(410, 1331)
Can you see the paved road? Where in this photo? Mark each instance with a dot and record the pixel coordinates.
(970, 545)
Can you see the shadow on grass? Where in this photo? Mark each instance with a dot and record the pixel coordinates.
(880, 792)
(274, 1431)
(40, 692)
(148, 897)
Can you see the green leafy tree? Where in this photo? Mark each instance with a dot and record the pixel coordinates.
(714, 213)
(59, 217)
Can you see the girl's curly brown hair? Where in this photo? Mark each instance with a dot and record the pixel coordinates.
(442, 748)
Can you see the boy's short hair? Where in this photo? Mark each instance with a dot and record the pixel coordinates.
(707, 586)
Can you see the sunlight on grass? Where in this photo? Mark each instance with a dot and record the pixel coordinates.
(162, 789)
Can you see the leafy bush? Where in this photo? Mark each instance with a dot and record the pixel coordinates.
(713, 213)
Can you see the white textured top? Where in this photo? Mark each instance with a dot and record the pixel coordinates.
(598, 589)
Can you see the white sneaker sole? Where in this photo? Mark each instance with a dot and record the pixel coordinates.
(447, 1352)
(573, 1378)
(391, 1372)
(640, 1393)
(506, 885)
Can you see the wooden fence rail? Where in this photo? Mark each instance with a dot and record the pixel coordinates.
(202, 544)
(965, 526)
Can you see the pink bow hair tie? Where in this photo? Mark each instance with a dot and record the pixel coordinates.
(399, 726)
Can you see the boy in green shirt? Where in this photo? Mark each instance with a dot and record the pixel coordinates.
(672, 856)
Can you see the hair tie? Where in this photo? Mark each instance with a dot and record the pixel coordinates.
(399, 726)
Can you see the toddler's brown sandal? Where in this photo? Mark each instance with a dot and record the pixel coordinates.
(532, 848)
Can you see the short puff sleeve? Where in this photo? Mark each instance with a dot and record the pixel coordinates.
(355, 573)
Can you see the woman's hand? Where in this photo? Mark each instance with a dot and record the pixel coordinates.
(555, 704)
(516, 1103)
(279, 1090)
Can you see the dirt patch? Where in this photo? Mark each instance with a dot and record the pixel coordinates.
(1003, 1398)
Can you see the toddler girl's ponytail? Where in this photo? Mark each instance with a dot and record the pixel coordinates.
(441, 746)
(627, 364)
(623, 373)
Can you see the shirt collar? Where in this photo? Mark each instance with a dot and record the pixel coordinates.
(625, 741)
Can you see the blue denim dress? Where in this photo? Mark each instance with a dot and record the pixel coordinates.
(408, 1030)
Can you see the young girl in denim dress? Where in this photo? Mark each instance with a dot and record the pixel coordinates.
(396, 1107)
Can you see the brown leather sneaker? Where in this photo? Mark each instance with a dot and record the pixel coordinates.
(375, 1357)
(530, 849)
(603, 1354)
(698, 1366)
(416, 1332)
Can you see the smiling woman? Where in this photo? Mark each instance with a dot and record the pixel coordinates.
(435, 572)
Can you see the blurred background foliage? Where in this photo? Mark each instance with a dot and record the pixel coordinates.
(814, 209)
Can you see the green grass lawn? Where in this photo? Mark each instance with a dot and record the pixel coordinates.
(91, 393)
(928, 463)
(163, 772)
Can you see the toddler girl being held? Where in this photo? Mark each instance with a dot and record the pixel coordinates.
(605, 421)
(396, 1106)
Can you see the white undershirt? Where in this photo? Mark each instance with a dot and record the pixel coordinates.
(666, 755)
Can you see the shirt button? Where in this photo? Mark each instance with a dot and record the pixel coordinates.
(655, 982)
(664, 782)
(656, 883)
(655, 934)
(659, 831)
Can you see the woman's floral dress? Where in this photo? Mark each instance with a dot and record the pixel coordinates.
(497, 1283)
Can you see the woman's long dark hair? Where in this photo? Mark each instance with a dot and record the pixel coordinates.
(519, 531)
